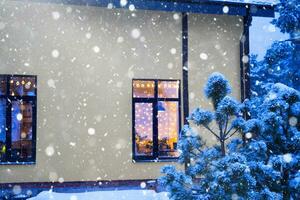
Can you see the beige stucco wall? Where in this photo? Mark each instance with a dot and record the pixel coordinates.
(213, 48)
(89, 84)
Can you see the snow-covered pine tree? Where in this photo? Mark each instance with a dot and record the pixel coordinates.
(289, 15)
(225, 107)
(266, 166)
(213, 173)
(277, 66)
(277, 127)
(282, 60)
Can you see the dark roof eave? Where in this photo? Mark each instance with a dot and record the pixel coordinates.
(189, 6)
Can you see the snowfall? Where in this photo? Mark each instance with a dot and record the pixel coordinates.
(104, 195)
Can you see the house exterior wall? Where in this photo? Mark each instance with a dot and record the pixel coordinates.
(213, 48)
(85, 59)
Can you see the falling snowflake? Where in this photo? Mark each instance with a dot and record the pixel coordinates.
(88, 35)
(123, 3)
(225, 9)
(91, 131)
(293, 121)
(120, 39)
(72, 144)
(135, 33)
(55, 53)
(49, 151)
(176, 16)
(110, 6)
(55, 15)
(61, 180)
(131, 7)
(143, 184)
(96, 49)
(19, 116)
(248, 135)
(245, 59)
(173, 51)
(203, 56)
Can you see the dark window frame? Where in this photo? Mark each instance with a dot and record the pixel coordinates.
(154, 100)
(8, 159)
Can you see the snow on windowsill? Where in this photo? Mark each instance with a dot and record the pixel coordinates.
(104, 195)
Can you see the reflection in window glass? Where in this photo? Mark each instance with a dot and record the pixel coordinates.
(168, 89)
(143, 129)
(21, 136)
(2, 85)
(168, 128)
(2, 128)
(22, 86)
(143, 89)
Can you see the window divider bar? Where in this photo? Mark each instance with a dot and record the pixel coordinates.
(155, 121)
(8, 122)
(34, 130)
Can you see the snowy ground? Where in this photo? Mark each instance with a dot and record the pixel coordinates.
(104, 195)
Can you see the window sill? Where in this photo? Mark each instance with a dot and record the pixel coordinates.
(160, 160)
(17, 163)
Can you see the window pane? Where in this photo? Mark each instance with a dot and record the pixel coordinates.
(143, 89)
(143, 129)
(2, 128)
(168, 89)
(168, 128)
(2, 85)
(22, 86)
(21, 133)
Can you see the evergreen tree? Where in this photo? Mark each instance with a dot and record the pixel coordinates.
(282, 60)
(278, 128)
(289, 15)
(265, 166)
(277, 66)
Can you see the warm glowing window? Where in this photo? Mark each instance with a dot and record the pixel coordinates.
(17, 119)
(156, 119)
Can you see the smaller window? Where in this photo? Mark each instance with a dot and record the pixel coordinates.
(17, 119)
(156, 119)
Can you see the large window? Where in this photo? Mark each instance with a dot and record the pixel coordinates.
(156, 119)
(17, 119)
